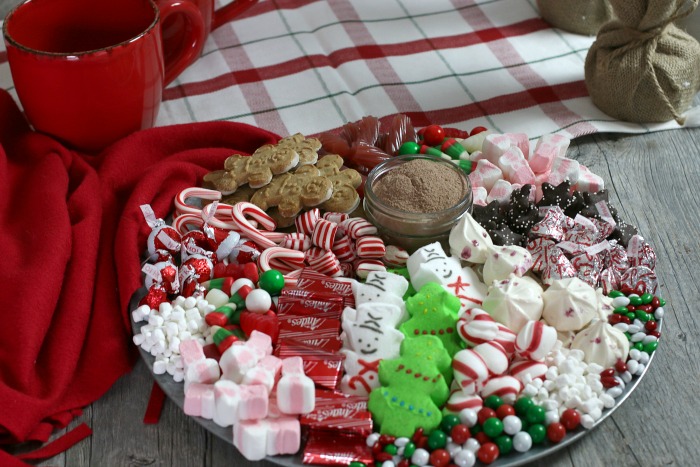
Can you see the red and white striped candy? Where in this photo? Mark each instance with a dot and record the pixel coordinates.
(290, 280)
(477, 327)
(287, 260)
(527, 370)
(186, 222)
(324, 234)
(327, 264)
(336, 217)
(347, 270)
(469, 368)
(459, 401)
(495, 357)
(181, 206)
(214, 218)
(243, 209)
(370, 246)
(344, 249)
(395, 256)
(296, 241)
(313, 253)
(357, 227)
(505, 387)
(364, 266)
(306, 221)
(535, 340)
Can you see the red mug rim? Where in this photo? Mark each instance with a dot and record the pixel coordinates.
(10, 40)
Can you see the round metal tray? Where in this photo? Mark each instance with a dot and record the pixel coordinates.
(175, 391)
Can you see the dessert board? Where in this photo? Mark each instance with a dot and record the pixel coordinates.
(175, 392)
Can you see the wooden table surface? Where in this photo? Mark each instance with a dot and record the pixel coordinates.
(654, 180)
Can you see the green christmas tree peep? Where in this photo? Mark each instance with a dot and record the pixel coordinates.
(413, 387)
(433, 312)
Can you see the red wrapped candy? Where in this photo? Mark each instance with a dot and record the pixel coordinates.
(162, 236)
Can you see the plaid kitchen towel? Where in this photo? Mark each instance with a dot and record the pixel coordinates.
(312, 65)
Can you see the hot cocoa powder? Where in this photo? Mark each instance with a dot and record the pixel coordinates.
(421, 185)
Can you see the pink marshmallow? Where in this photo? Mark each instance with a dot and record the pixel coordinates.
(539, 180)
(191, 351)
(515, 168)
(487, 173)
(494, 146)
(479, 195)
(269, 437)
(254, 402)
(295, 391)
(200, 400)
(242, 356)
(588, 181)
(203, 371)
(564, 168)
(227, 395)
(521, 141)
(266, 373)
(548, 148)
(500, 192)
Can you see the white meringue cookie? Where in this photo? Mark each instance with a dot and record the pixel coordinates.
(504, 260)
(514, 301)
(469, 240)
(602, 344)
(569, 304)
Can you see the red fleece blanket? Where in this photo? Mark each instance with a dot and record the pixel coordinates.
(71, 236)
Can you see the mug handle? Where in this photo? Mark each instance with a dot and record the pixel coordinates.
(194, 34)
(226, 13)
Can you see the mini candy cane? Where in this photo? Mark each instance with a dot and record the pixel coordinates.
(296, 241)
(290, 280)
(181, 207)
(184, 221)
(336, 217)
(370, 246)
(219, 209)
(265, 261)
(324, 234)
(306, 221)
(357, 227)
(239, 212)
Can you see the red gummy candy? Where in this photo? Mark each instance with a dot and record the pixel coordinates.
(262, 322)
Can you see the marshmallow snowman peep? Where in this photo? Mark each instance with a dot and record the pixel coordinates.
(431, 264)
(369, 332)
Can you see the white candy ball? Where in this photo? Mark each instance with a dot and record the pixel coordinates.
(522, 441)
(388, 464)
(468, 417)
(512, 424)
(372, 439)
(420, 457)
(471, 445)
(258, 301)
(464, 458)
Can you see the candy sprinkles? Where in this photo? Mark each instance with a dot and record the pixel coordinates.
(519, 330)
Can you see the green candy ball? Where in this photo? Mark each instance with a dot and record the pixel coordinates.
(522, 405)
(271, 281)
(449, 422)
(535, 414)
(537, 432)
(504, 443)
(493, 402)
(437, 440)
(493, 427)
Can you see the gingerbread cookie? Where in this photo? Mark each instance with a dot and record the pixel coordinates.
(306, 148)
(345, 183)
(291, 192)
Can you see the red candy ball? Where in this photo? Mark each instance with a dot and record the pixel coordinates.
(650, 326)
(620, 366)
(484, 414)
(433, 135)
(556, 432)
(504, 410)
(570, 418)
(460, 433)
(488, 453)
(439, 458)
(476, 130)
(482, 437)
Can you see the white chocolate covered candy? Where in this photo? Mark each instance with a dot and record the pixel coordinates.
(569, 304)
(602, 344)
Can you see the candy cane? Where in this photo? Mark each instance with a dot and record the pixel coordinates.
(243, 209)
(220, 209)
(291, 258)
(183, 220)
(181, 207)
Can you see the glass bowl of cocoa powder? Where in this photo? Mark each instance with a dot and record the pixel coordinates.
(415, 199)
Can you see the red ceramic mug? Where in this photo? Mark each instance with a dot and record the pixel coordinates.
(90, 72)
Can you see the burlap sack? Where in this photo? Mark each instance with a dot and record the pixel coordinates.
(642, 68)
(577, 16)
